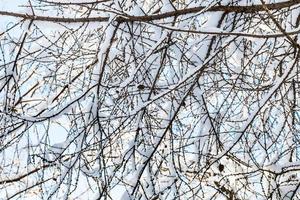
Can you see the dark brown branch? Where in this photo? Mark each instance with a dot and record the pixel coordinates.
(237, 9)
(21, 176)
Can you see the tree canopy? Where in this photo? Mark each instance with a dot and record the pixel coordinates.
(153, 99)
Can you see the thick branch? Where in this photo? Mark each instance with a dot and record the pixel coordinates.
(237, 9)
